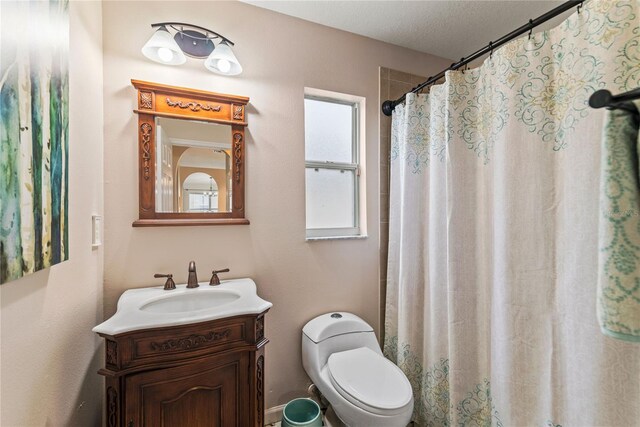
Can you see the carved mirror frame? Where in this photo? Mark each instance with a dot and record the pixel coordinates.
(158, 100)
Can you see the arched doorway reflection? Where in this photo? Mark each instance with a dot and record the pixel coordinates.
(209, 171)
(200, 193)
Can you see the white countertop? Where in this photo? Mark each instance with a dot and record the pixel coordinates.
(130, 317)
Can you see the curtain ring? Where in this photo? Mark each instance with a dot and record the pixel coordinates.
(430, 77)
(461, 60)
(579, 8)
(419, 92)
(531, 28)
(490, 50)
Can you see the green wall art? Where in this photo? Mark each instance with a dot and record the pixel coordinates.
(34, 136)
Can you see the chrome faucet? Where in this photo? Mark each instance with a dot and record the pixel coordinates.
(192, 282)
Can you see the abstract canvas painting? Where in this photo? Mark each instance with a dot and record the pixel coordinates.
(34, 136)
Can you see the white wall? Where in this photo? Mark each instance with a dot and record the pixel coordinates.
(280, 55)
(49, 356)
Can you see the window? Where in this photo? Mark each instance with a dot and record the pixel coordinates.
(203, 201)
(198, 202)
(333, 151)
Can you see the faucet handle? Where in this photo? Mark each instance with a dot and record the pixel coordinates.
(169, 284)
(215, 280)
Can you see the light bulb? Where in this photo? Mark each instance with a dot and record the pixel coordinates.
(224, 66)
(165, 54)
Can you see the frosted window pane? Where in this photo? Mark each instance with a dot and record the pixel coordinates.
(330, 198)
(328, 131)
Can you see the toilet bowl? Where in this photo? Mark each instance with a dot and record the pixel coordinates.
(342, 357)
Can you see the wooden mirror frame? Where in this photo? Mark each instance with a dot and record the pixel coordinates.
(158, 100)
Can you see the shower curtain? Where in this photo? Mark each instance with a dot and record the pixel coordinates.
(492, 274)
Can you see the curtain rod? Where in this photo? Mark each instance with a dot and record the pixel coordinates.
(388, 106)
(603, 99)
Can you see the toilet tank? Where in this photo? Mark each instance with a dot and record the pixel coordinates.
(331, 333)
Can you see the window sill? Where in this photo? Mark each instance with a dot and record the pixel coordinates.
(358, 237)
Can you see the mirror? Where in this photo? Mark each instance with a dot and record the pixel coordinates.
(190, 156)
(193, 166)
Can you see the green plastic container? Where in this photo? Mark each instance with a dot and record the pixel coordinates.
(302, 412)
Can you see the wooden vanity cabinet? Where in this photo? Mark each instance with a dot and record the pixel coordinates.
(209, 374)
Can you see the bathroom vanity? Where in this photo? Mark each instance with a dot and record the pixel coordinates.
(186, 371)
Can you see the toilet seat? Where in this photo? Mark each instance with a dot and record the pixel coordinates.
(370, 381)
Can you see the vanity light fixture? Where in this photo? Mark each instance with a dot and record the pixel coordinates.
(194, 41)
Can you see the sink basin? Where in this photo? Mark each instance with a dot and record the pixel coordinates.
(148, 308)
(187, 302)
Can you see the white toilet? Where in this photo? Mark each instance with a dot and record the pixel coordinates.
(341, 356)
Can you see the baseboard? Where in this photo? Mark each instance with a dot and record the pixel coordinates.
(273, 415)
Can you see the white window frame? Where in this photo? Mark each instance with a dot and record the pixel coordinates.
(356, 166)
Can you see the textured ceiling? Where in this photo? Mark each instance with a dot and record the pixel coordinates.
(450, 29)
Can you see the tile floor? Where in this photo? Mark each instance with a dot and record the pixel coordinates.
(277, 424)
(328, 421)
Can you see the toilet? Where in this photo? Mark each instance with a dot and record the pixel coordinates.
(342, 357)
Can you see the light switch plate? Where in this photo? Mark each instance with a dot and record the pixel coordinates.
(96, 238)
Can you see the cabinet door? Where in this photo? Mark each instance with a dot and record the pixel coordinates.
(203, 394)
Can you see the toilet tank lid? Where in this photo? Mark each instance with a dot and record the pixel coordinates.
(332, 324)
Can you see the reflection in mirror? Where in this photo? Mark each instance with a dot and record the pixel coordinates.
(193, 166)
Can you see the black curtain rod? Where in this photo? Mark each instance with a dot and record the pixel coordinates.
(388, 106)
(603, 99)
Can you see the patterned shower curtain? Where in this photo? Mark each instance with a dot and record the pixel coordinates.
(493, 253)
